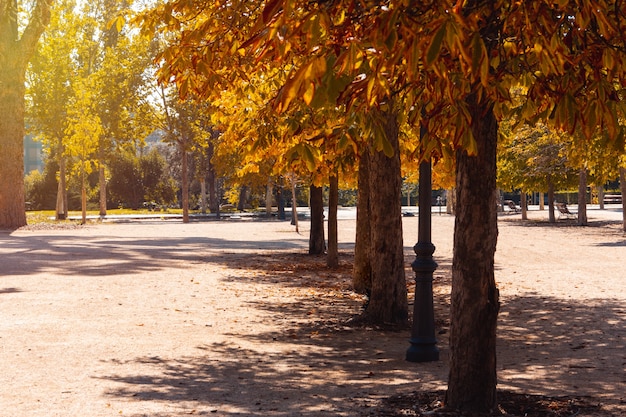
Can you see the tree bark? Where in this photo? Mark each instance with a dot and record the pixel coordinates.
(317, 243)
(622, 184)
(332, 259)
(362, 269)
(15, 52)
(582, 197)
(388, 303)
(524, 205)
(474, 298)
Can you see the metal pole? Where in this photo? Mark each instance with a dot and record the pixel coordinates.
(423, 342)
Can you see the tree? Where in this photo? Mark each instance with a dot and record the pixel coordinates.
(50, 90)
(453, 64)
(16, 48)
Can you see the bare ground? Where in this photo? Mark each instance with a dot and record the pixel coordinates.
(159, 318)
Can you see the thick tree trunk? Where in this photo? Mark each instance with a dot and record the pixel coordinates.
(582, 197)
(524, 205)
(474, 298)
(15, 53)
(332, 259)
(12, 206)
(317, 243)
(185, 185)
(622, 184)
(362, 269)
(388, 303)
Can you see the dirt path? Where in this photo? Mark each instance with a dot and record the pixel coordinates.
(232, 318)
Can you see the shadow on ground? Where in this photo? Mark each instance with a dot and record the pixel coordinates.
(80, 256)
(321, 365)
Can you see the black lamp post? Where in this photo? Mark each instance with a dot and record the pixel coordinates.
(423, 342)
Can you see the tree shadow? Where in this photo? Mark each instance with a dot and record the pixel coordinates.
(9, 290)
(557, 346)
(116, 255)
(318, 364)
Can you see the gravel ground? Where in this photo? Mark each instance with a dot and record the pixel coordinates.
(161, 318)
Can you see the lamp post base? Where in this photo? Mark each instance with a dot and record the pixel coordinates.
(421, 351)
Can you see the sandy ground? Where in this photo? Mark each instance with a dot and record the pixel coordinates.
(161, 318)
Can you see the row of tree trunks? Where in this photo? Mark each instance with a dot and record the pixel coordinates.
(379, 253)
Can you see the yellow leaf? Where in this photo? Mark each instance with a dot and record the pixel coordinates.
(308, 93)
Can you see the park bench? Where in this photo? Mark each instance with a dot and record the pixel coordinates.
(564, 211)
(612, 199)
(512, 207)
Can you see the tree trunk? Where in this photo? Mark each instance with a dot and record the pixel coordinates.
(243, 196)
(551, 216)
(332, 260)
(268, 198)
(102, 181)
(600, 191)
(83, 193)
(541, 202)
(280, 200)
(451, 201)
(474, 298)
(388, 302)
(203, 204)
(15, 53)
(61, 205)
(622, 184)
(214, 204)
(185, 185)
(524, 205)
(582, 197)
(362, 269)
(294, 203)
(12, 206)
(317, 244)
